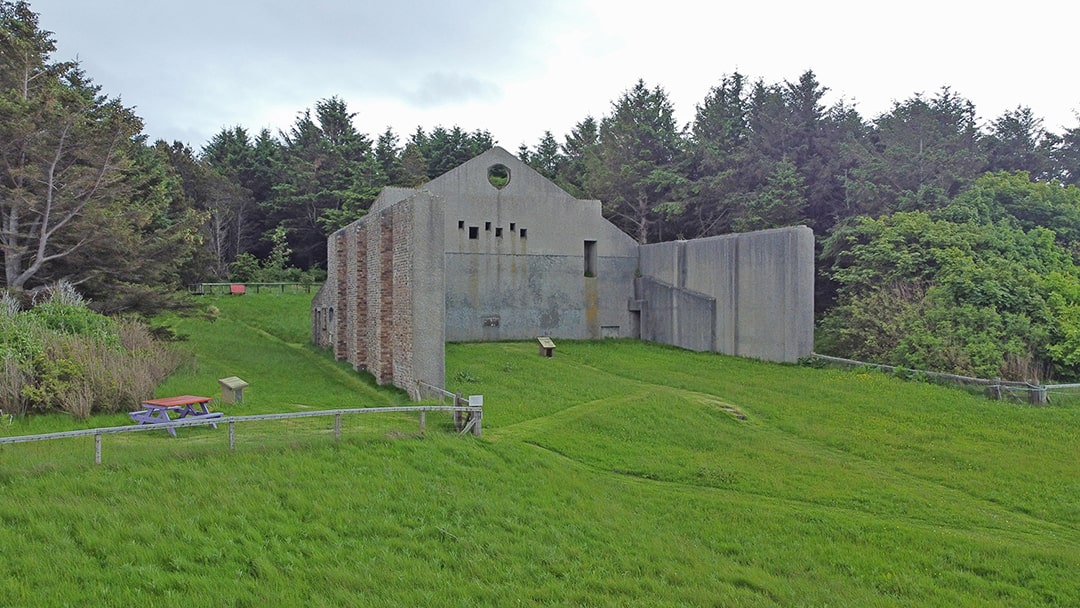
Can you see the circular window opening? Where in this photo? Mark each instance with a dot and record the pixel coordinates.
(499, 176)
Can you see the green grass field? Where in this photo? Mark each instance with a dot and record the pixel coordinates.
(614, 474)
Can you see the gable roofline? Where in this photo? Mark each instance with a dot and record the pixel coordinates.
(498, 155)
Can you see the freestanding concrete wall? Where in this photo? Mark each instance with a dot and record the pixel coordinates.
(761, 285)
(672, 315)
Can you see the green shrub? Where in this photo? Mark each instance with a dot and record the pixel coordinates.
(75, 321)
(62, 356)
(19, 340)
(245, 269)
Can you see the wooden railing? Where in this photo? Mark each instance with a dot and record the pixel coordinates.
(465, 419)
(223, 288)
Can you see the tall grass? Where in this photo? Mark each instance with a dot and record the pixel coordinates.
(112, 379)
(615, 474)
(62, 356)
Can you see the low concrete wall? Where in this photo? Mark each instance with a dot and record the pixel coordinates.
(672, 315)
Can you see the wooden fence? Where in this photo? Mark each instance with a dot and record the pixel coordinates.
(225, 288)
(473, 413)
(464, 418)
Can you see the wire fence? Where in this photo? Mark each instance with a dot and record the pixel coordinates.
(995, 388)
(473, 413)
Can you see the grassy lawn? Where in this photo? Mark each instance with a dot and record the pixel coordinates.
(613, 474)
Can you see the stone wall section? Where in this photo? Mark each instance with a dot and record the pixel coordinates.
(402, 312)
(359, 299)
(372, 330)
(368, 309)
(385, 370)
(340, 317)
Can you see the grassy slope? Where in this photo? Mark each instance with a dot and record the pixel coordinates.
(613, 474)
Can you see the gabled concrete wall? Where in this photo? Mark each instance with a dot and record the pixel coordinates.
(762, 284)
(516, 258)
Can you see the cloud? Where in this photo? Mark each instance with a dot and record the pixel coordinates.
(520, 68)
(441, 89)
(189, 65)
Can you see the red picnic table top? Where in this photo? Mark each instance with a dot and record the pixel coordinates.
(180, 401)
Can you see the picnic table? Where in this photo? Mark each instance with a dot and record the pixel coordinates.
(158, 410)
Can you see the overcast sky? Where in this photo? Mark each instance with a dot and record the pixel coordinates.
(515, 68)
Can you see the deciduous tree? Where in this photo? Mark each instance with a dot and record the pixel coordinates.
(975, 288)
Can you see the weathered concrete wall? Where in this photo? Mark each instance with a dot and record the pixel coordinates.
(516, 258)
(775, 298)
(428, 278)
(672, 315)
(762, 284)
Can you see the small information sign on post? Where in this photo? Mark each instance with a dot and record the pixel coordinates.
(232, 389)
(547, 347)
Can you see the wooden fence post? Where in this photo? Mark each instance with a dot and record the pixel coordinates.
(459, 420)
(97, 448)
(232, 435)
(337, 427)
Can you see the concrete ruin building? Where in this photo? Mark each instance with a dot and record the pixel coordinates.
(492, 250)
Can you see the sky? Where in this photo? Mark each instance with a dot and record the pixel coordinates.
(191, 68)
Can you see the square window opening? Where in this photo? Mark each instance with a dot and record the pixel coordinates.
(498, 232)
(487, 226)
(461, 224)
(523, 235)
(474, 232)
